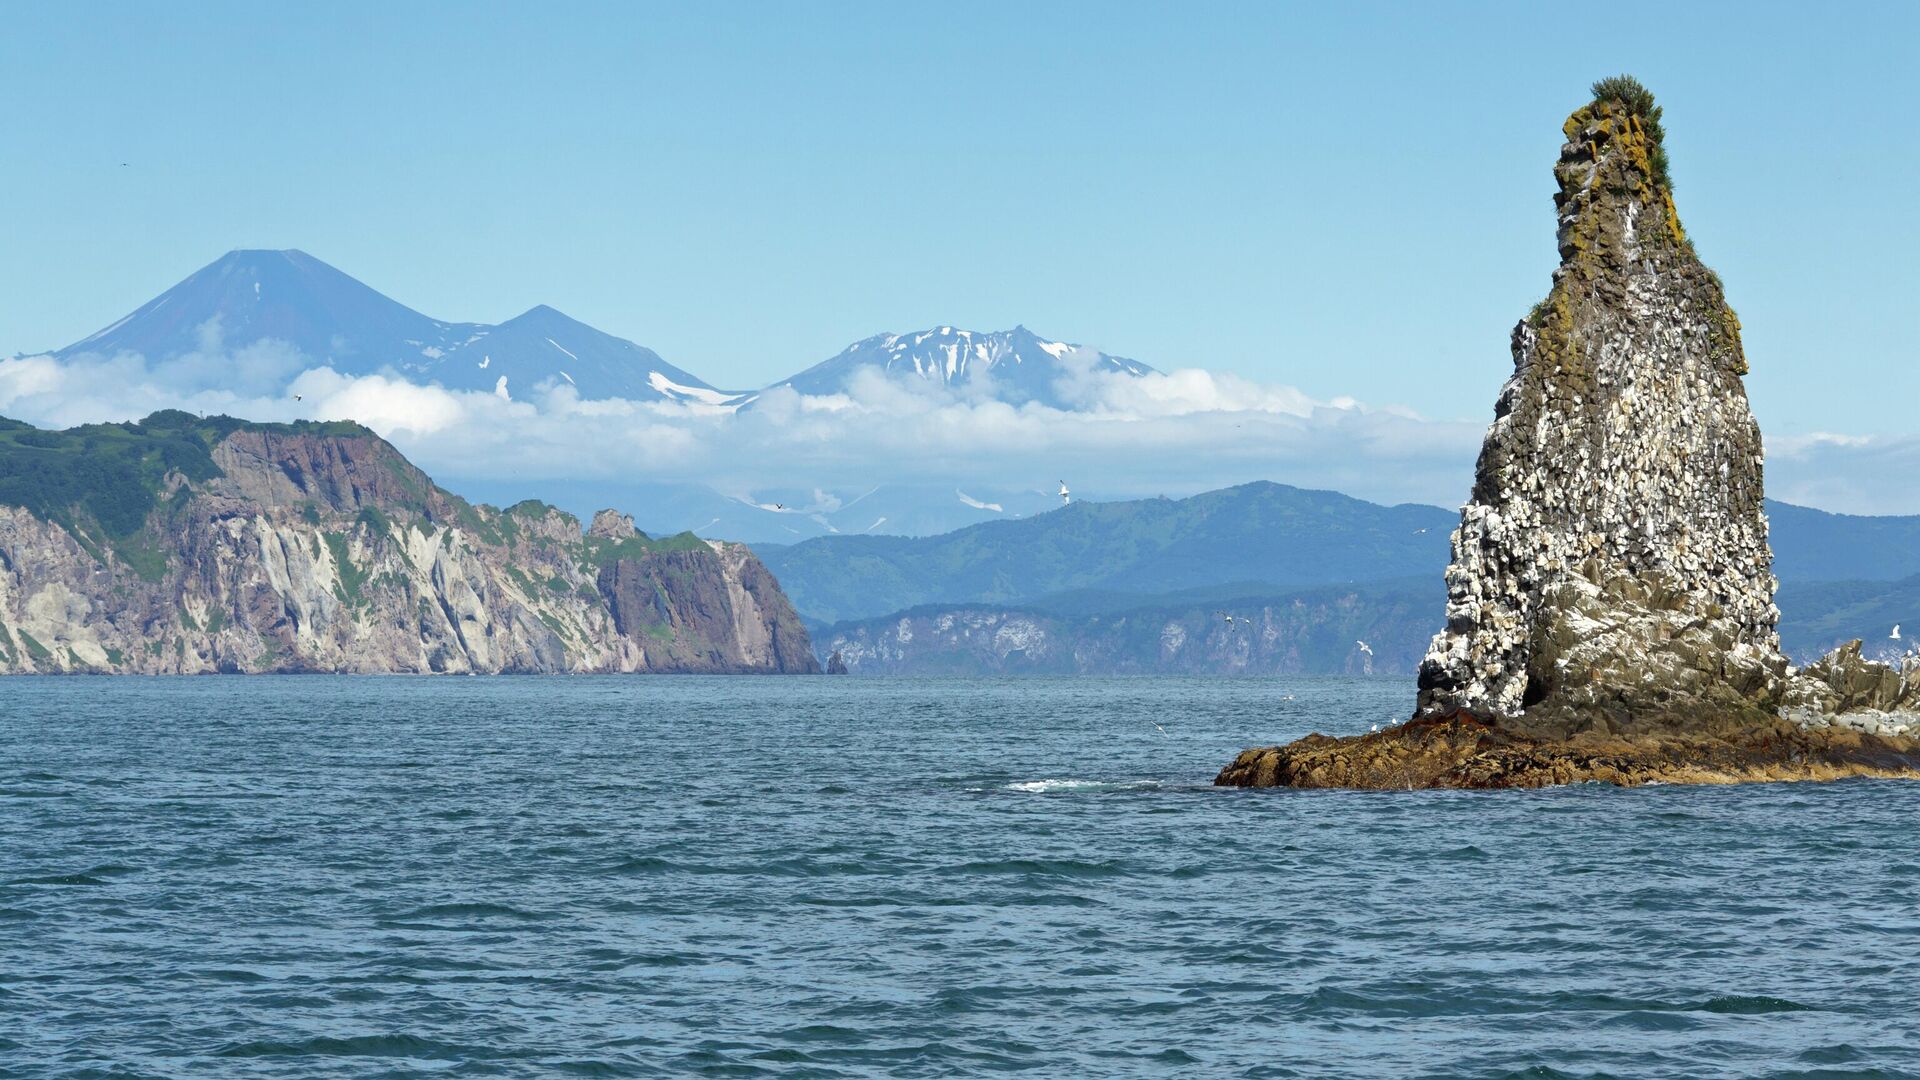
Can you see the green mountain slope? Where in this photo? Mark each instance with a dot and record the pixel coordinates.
(1814, 545)
(1272, 535)
(1067, 572)
(1816, 616)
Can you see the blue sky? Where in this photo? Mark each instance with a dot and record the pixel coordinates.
(1352, 199)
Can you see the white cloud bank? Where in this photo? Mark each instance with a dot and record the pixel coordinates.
(1847, 474)
(1172, 433)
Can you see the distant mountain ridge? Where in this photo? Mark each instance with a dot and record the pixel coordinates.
(1816, 545)
(1077, 589)
(1017, 366)
(248, 297)
(1284, 537)
(1377, 628)
(243, 304)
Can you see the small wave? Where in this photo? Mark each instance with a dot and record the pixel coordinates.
(1170, 1056)
(663, 960)
(1072, 868)
(821, 1033)
(403, 1046)
(1652, 1020)
(1750, 1004)
(60, 879)
(1836, 1054)
(1047, 899)
(645, 864)
(1057, 786)
(965, 999)
(231, 975)
(480, 910)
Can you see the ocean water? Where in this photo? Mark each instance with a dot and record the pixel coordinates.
(355, 877)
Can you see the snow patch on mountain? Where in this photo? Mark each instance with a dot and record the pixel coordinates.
(699, 398)
(1015, 366)
(978, 504)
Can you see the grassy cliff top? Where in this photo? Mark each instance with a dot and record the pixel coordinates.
(112, 474)
(101, 482)
(1628, 93)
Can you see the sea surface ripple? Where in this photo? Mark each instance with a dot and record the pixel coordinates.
(372, 877)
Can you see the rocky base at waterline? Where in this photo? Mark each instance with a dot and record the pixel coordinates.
(1460, 750)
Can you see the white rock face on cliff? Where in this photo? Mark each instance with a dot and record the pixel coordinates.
(301, 550)
(1614, 556)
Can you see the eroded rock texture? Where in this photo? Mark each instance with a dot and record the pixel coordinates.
(1616, 511)
(1610, 606)
(310, 548)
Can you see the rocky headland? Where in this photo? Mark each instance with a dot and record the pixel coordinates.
(1610, 610)
(181, 545)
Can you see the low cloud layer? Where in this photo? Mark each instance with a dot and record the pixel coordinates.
(1172, 433)
(1848, 474)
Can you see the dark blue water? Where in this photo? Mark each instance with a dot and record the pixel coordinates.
(839, 877)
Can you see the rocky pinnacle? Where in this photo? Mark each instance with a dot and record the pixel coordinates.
(1610, 603)
(1613, 558)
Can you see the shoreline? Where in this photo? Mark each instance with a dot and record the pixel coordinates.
(1462, 751)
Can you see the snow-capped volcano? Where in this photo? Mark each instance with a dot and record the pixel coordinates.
(289, 300)
(252, 320)
(1016, 365)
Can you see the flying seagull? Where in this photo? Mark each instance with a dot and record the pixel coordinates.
(1065, 495)
(1896, 632)
(1364, 647)
(296, 397)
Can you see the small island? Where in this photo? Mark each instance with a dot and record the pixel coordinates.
(1610, 610)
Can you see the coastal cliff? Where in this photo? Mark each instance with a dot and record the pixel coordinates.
(1610, 608)
(1370, 629)
(180, 545)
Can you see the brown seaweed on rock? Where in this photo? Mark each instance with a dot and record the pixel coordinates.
(1460, 750)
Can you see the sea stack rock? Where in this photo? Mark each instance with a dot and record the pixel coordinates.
(1610, 606)
(1612, 565)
